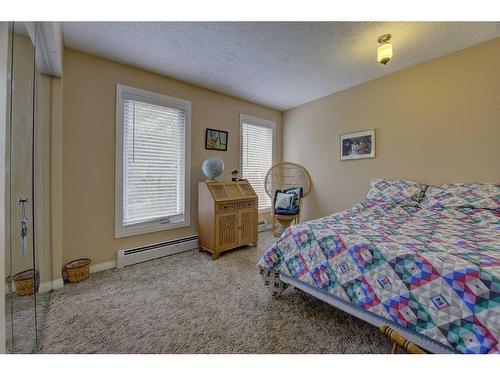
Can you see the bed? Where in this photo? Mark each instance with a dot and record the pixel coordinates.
(424, 260)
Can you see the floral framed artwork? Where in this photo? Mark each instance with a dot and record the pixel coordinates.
(216, 140)
(358, 145)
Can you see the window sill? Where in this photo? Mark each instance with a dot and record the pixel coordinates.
(121, 232)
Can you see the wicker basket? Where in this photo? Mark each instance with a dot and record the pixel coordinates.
(26, 282)
(78, 270)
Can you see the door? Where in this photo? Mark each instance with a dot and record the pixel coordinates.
(26, 152)
(226, 231)
(247, 223)
(21, 268)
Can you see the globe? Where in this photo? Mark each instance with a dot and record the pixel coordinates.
(212, 167)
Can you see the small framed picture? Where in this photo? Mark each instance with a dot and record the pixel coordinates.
(358, 145)
(216, 140)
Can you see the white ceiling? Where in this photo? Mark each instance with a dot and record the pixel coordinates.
(277, 64)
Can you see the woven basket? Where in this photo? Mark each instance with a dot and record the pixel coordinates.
(26, 282)
(78, 270)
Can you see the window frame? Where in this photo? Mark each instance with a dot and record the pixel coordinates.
(155, 225)
(266, 124)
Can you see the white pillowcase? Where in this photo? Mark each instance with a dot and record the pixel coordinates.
(284, 201)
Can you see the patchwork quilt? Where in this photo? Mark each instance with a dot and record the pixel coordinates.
(433, 271)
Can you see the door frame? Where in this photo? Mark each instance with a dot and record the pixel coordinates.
(4, 83)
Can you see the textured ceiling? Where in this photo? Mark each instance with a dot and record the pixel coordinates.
(277, 64)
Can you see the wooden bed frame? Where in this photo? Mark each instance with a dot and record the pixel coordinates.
(399, 342)
(404, 339)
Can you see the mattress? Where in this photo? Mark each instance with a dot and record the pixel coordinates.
(433, 272)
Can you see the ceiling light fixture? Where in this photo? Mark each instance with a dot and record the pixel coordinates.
(384, 51)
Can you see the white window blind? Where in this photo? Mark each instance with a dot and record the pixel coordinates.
(257, 157)
(153, 163)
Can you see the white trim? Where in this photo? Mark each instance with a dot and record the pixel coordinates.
(159, 99)
(123, 259)
(258, 122)
(264, 226)
(57, 283)
(51, 285)
(4, 100)
(45, 287)
(47, 36)
(102, 266)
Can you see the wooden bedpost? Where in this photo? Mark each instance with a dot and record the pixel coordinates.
(399, 342)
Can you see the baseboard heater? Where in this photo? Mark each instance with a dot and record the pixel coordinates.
(159, 250)
(262, 226)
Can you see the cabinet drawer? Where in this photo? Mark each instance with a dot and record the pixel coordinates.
(231, 206)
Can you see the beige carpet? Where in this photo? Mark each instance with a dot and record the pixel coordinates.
(187, 303)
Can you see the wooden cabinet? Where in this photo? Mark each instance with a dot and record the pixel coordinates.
(227, 216)
(226, 231)
(247, 230)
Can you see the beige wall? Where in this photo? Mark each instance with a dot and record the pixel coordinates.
(88, 149)
(435, 122)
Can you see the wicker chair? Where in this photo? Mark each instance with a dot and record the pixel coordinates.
(283, 176)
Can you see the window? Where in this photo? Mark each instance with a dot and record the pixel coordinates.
(257, 154)
(152, 162)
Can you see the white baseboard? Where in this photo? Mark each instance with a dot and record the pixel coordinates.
(58, 283)
(103, 266)
(263, 226)
(47, 286)
(43, 287)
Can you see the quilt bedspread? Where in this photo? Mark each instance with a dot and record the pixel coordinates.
(435, 272)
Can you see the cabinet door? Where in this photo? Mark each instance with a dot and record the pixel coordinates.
(226, 230)
(247, 223)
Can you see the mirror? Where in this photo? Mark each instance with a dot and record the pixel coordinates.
(22, 277)
(28, 252)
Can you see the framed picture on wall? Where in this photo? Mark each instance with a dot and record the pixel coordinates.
(358, 145)
(216, 140)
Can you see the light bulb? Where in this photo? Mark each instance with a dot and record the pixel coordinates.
(384, 53)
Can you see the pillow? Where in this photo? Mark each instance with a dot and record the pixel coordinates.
(298, 193)
(474, 195)
(287, 202)
(283, 201)
(396, 192)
